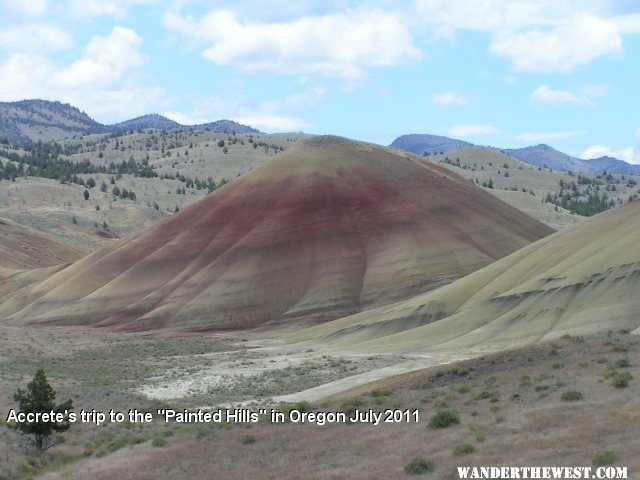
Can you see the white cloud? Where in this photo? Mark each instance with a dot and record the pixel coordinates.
(272, 122)
(559, 49)
(30, 8)
(98, 8)
(546, 94)
(104, 60)
(342, 45)
(628, 154)
(185, 118)
(103, 80)
(281, 115)
(536, 35)
(468, 130)
(547, 136)
(495, 15)
(449, 98)
(35, 37)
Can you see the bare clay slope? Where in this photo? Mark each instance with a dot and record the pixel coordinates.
(584, 279)
(327, 228)
(24, 248)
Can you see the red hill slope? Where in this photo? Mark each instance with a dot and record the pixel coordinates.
(327, 228)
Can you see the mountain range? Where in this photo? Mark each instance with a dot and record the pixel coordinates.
(541, 155)
(28, 121)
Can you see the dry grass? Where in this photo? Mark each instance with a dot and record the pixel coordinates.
(511, 413)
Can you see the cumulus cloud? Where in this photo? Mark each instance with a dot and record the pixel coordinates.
(102, 80)
(548, 95)
(342, 45)
(35, 37)
(559, 49)
(628, 154)
(31, 8)
(449, 98)
(468, 130)
(547, 136)
(536, 35)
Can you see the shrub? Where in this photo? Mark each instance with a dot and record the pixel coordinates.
(444, 419)
(464, 449)
(419, 466)
(158, 442)
(571, 396)
(604, 458)
(248, 439)
(623, 363)
(620, 379)
(380, 393)
(464, 389)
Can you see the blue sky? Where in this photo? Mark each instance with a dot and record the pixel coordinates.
(494, 72)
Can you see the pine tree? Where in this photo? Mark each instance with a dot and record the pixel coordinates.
(39, 397)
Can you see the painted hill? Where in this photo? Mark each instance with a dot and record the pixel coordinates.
(29, 121)
(423, 143)
(24, 248)
(327, 228)
(581, 280)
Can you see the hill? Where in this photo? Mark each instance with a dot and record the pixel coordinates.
(32, 120)
(24, 248)
(29, 121)
(159, 122)
(327, 228)
(548, 157)
(179, 169)
(423, 143)
(145, 122)
(539, 155)
(578, 281)
(555, 197)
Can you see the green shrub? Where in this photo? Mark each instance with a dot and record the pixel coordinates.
(159, 442)
(464, 389)
(464, 449)
(248, 439)
(571, 396)
(380, 393)
(623, 363)
(419, 466)
(444, 419)
(620, 379)
(604, 458)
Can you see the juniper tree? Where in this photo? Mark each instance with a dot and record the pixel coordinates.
(39, 397)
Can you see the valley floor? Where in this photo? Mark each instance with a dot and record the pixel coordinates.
(513, 408)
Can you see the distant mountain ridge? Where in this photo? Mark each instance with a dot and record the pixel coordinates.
(541, 155)
(545, 156)
(424, 143)
(28, 121)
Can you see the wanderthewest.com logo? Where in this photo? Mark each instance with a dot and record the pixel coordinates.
(542, 473)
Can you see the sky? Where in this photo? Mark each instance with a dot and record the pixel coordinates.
(491, 72)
